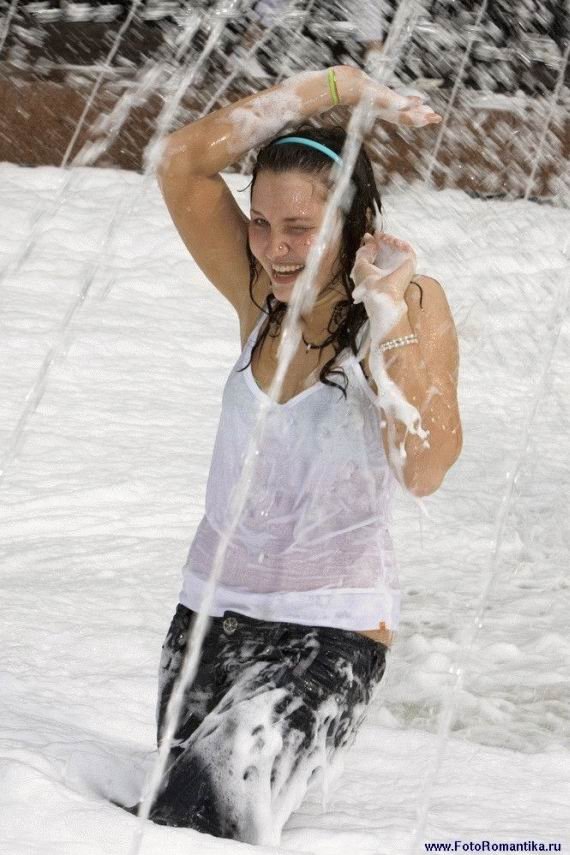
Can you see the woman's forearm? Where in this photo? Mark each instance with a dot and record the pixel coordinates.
(211, 144)
(407, 367)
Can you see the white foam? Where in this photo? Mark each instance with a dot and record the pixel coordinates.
(89, 583)
(256, 123)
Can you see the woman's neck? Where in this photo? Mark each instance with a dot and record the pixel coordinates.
(315, 324)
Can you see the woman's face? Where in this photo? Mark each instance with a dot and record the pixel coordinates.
(287, 209)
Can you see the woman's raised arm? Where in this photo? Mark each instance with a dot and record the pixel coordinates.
(211, 144)
(202, 207)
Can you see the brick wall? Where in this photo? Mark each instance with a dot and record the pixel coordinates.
(488, 147)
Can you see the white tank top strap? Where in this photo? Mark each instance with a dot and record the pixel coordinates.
(253, 335)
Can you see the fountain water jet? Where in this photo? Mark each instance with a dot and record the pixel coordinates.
(553, 102)
(58, 350)
(530, 184)
(114, 48)
(8, 21)
(455, 90)
(448, 709)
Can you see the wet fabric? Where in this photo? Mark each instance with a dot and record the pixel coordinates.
(272, 709)
(312, 544)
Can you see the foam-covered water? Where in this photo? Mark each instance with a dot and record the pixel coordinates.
(98, 510)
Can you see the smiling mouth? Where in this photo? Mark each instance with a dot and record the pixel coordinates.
(284, 272)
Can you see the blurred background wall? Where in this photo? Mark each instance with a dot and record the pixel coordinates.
(93, 83)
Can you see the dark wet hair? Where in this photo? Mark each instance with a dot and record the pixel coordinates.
(347, 317)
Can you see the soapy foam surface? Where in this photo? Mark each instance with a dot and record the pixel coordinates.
(98, 510)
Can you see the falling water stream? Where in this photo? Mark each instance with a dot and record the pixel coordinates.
(302, 300)
(455, 90)
(177, 87)
(7, 22)
(489, 576)
(553, 102)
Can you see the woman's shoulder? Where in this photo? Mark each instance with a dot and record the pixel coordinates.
(428, 285)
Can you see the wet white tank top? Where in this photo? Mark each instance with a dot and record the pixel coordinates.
(312, 545)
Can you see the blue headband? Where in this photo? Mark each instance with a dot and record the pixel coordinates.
(319, 146)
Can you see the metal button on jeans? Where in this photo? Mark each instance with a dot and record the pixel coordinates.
(230, 625)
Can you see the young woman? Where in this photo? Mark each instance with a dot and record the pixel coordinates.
(308, 600)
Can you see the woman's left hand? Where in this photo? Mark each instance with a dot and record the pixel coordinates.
(396, 108)
(383, 265)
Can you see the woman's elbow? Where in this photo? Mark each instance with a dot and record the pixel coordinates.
(430, 481)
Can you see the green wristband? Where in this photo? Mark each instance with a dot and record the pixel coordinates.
(332, 87)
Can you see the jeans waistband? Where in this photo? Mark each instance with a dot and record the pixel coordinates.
(230, 622)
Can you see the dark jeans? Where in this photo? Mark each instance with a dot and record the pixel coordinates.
(271, 705)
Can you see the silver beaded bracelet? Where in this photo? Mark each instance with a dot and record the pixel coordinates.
(398, 342)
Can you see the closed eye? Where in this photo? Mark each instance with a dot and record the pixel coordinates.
(258, 221)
